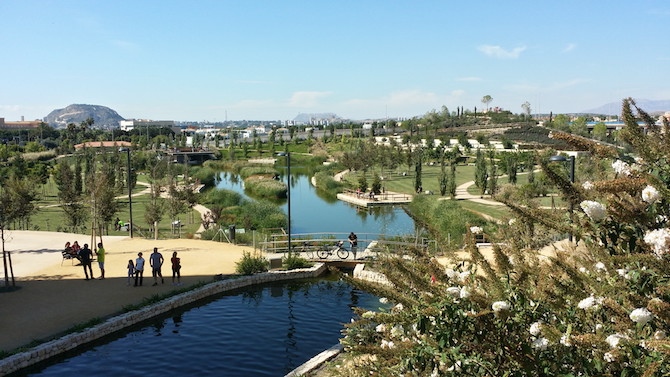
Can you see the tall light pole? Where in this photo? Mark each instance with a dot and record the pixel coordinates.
(559, 158)
(130, 191)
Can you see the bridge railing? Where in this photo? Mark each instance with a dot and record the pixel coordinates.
(279, 243)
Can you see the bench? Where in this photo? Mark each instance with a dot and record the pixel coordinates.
(67, 255)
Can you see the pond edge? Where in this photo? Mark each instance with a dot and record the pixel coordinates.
(114, 324)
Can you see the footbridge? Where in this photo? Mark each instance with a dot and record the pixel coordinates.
(335, 247)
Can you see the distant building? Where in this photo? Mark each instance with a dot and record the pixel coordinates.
(19, 125)
(129, 125)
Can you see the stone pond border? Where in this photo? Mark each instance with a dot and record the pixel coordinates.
(68, 342)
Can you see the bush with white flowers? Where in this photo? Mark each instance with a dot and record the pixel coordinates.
(600, 309)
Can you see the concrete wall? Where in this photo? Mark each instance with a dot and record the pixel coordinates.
(55, 347)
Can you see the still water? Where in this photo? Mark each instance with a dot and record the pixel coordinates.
(315, 212)
(266, 330)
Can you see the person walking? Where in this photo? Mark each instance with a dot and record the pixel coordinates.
(139, 269)
(85, 256)
(101, 260)
(176, 268)
(131, 271)
(156, 261)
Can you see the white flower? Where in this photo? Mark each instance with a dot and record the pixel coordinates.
(475, 230)
(583, 270)
(456, 367)
(387, 344)
(380, 327)
(397, 331)
(609, 357)
(621, 167)
(535, 328)
(450, 273)
(650, 194)
(587, 185)
(590, 303)
(565, 340)
(511, 221)
(465, 292)
(659, 335)
(384, 300)
(369, 314)
(540, 344)
(454, 292)
(614, 339)
(551, 134)
(594, 210)
(641, 316)
(499, 306)
(463, 276)
(599, 326)
(600, 266)
(399, 307)
(659, 240)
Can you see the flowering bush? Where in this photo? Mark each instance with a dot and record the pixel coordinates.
(600, 309)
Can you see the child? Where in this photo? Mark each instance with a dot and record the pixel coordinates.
(131, 270)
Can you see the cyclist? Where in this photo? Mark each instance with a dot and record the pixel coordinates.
(353, 240)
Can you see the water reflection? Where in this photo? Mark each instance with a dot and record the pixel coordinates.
(314, 211)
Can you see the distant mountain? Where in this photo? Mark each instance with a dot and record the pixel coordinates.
(104, 117)
(614, 108)
(307, 118)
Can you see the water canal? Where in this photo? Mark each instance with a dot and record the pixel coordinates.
(262, 331)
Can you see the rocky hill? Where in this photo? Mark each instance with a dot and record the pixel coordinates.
(104, 117)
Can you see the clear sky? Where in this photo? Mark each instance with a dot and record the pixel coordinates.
(212, 60)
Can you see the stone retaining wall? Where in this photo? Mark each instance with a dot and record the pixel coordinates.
(55, 347)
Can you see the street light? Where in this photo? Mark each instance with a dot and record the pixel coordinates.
(559, 158)
(288, 193)
(130, 191)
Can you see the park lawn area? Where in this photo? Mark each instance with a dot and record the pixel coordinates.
(50, 217)
(499, 213)
(396, 182)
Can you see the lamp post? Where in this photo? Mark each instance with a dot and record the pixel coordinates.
(559, 158)
(130, 192)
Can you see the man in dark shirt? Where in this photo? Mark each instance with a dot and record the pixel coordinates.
(86, 255)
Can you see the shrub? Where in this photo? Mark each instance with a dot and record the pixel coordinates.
(293, 260)
(599, 308)
(251, 264)
(266, 187)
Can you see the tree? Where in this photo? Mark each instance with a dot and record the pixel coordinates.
(579, 127)
(599, 131)
(16, 201)
(486, 100)
(526, 109)
(481, 176)
(68, 196)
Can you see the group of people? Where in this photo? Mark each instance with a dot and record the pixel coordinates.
(156, 260)
(135, 268)
(85, 256)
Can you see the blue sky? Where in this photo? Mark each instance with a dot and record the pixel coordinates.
(270, 60)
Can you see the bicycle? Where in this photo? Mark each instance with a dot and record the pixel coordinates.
(308, 249)
(338, 249)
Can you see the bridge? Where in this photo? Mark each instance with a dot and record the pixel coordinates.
(315, 246)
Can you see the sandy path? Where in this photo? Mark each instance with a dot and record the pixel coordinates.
(52, 298)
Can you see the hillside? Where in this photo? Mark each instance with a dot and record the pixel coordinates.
(104, 117)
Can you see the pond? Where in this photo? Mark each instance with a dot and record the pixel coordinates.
(265, 330)
(315, 212)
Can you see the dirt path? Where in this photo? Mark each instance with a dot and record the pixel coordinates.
(52, 298)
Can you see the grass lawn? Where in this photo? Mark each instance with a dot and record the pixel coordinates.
(50, 217)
